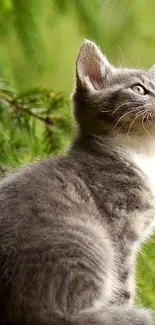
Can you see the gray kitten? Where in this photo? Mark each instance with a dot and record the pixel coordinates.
(70, 227)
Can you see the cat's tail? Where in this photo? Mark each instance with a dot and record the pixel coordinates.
(110, 315)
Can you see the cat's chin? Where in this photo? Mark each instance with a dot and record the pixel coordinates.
(142, 129)
(141, 139)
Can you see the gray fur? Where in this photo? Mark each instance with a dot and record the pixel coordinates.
(71, 226)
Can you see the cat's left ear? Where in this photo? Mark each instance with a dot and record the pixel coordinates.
(152, 69)
(92, 67)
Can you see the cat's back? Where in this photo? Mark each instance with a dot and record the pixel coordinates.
(45, 198)
(49, 186)
(46, 230)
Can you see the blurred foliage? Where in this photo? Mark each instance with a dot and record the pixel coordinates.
(32, 123)
(39, 41)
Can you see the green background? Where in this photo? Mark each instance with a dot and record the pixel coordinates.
(39, 42)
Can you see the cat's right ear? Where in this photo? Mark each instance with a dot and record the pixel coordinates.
(92, 67)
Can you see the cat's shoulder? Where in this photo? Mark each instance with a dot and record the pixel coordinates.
(35, 173)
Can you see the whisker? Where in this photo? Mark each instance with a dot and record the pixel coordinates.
(134, 102)
(137, 115)
(118, 132)
(145, 127)
(144, 113)
(124, 104)
(143, 110)
(148, 116)
(107, 111)
(125, 59)
(123, 117)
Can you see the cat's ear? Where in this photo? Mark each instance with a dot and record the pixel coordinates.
(92, 67)
(152, 69)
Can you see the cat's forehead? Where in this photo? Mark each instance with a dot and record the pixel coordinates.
(131, 76)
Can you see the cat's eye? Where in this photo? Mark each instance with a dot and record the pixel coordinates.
(140, 90)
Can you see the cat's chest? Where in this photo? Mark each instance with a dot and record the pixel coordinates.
(146, 163)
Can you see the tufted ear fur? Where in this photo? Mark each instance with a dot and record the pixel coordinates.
(92, 67)
(152, 69)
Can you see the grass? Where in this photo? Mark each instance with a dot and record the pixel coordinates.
(146, 275)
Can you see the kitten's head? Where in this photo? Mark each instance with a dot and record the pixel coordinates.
(112, 100)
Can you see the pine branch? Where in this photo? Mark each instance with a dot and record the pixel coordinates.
(13, 102)
(20, 133)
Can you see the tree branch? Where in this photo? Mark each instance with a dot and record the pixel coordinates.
(13, 102)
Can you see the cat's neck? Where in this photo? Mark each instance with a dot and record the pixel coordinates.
(91, 145)
(100, 158)
(98, 145)
(141, 144)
